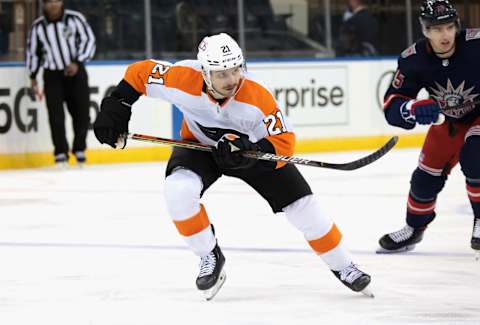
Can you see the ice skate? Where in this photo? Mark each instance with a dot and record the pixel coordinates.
(61, 161)
(212, 275)
(475, 242)
(355, 279)
(81, 158)
(403, 240)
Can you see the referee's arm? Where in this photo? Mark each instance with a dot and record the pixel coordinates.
(86, 46)
(34, 58)
(34, 54)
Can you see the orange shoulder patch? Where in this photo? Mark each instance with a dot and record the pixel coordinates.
(185, 79)
(137, 74)
(255, 94)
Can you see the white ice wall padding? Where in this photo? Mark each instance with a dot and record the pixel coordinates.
(320, 98)
(348, 95)
(149, 116)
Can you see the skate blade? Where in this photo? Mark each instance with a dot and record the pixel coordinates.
(382, 250)
(367, 292)
(210, 293)
(61, 166)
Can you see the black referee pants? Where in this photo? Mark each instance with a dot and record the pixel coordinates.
(73, 91)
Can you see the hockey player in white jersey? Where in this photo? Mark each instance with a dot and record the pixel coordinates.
(225, 107)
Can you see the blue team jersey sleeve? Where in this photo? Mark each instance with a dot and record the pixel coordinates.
(405, 86)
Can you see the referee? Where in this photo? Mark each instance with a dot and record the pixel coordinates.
(61, 41)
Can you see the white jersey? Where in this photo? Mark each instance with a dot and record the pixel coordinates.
(252, 111)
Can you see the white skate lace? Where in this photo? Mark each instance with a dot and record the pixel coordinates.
(402, 235)
(476, 228)
(350, 273)
(207, 264)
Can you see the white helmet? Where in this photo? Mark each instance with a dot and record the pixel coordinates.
(217, 53)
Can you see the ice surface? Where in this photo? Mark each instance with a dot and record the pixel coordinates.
(95, 246)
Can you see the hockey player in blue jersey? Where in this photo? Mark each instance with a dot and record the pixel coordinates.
(446, 63)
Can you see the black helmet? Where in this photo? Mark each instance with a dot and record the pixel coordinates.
(436, 12)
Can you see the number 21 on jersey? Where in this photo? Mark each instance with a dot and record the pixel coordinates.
(158, 72)
(275, 123)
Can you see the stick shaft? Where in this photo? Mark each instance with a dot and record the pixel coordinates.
(272, 157)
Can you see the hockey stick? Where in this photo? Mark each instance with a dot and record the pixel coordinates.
(272, 157)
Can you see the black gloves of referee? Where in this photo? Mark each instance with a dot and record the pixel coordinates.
(228, 152)
(112, 121)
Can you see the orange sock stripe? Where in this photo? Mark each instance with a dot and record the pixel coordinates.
(327, 242)
(194, 224)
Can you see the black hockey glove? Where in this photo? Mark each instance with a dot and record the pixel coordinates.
(112, 121)
(227, 153)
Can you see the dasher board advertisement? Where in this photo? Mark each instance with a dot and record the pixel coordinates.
(309, 94)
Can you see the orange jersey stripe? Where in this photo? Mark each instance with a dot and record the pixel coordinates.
(328, 242)
(185, 132)
(254, 94)
(186, 79)
(137, 74)
(284, 143)
(194, 224)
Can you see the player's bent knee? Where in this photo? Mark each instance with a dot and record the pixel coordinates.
(470, 157)
(305, 215)
(182, 193)
(425, 185)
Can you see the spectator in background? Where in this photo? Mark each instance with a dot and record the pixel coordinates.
(359, 31)
(62, 41)
(3, 37)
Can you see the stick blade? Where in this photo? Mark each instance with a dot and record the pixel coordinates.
(374, 156)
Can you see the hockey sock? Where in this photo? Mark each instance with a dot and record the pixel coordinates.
(319, 230)
(419, 213)
(470, 162)
(473, 190)
(424, 188)
(182, 194)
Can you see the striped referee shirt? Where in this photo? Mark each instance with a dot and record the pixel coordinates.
(56, 44)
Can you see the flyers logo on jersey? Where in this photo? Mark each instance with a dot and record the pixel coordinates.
(231, 136)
